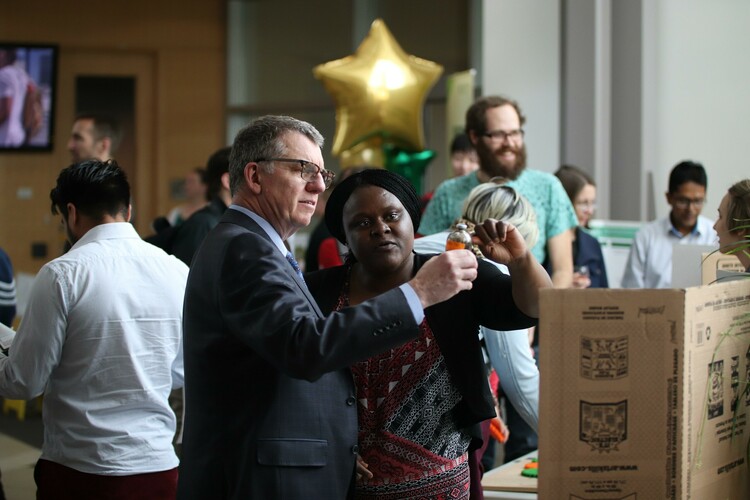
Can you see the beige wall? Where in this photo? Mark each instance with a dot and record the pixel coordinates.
(176, 52)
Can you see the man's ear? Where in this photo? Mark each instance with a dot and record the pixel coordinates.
(105, 145)
(72, 217)
(225, 180)
(473, 137)
(252, 177)
(128, 214)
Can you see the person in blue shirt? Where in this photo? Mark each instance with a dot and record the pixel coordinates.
(588, 261)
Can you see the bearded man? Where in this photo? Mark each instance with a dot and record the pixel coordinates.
(495, 126)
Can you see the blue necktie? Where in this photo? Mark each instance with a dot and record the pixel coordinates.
(295, 265)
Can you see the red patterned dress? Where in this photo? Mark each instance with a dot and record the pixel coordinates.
(407, 433)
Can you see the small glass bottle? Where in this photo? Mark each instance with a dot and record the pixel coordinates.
(459, 239)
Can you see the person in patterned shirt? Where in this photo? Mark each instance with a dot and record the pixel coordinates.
(420, 404)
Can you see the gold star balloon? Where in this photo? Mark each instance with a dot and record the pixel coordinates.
(379, 93)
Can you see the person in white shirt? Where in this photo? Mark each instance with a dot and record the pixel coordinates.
(102, 339)
(509, 351)
(650, 261)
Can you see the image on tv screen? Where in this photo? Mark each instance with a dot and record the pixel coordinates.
(27, 93)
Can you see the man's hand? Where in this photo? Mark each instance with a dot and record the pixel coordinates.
(442, 277)
(499, 241)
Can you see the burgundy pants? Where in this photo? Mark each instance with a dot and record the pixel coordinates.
(57, 482)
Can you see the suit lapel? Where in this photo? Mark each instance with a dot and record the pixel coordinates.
(238, 218)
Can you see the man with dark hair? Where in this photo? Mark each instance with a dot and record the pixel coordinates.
(94, 136)
(464, 158)
(102, 339)
(269, 399)
(195, 195)
(190, 234)
(650, 260)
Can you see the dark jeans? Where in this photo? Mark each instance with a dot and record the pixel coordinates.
(522, 439)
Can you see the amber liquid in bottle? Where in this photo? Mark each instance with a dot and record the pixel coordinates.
(459, 239)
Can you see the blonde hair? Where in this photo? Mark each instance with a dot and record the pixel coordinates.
(493, 200)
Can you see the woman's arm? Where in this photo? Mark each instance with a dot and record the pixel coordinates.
(502, 243)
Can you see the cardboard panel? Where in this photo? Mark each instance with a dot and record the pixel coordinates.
(641, 391)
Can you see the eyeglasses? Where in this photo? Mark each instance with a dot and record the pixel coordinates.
(498, 136)
(308, 170)
(684, 203)
(586, 205)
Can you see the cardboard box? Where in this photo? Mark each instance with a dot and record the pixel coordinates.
(714, 263)
(643, 393)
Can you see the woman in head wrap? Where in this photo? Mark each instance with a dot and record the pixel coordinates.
(419, 405)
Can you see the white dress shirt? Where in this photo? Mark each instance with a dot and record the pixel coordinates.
(509, 351)
(650, 261)
(101, 337)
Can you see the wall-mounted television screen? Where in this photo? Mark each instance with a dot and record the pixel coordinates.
(28, 74)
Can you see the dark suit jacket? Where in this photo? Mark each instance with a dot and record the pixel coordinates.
(269, 400)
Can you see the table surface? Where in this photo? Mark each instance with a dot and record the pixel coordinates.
(508, 479)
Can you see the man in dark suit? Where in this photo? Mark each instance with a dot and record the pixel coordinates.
(270, 401)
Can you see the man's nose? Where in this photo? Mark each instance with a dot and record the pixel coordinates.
(317, 185)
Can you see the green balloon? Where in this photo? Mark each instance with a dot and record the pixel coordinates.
(410, 164)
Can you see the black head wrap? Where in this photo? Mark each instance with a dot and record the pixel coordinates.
(397, 185)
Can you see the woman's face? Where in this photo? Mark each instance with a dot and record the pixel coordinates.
(378, 229)
(726, 237)
(585, 204)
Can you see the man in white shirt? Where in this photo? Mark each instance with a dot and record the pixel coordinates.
(650, 260)
(102, 339)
